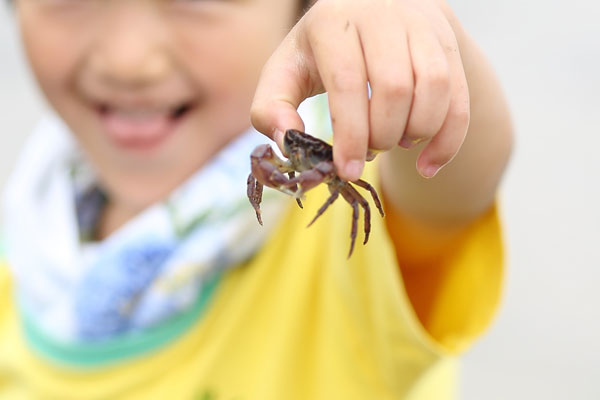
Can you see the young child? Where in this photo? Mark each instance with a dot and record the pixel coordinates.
(135, 266)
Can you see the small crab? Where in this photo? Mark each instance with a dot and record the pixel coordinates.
(312, 158)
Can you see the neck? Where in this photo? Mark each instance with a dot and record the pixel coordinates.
(114, 215)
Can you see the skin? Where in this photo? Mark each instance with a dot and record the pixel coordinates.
(139, 56)
(430, 85)
(142, 55)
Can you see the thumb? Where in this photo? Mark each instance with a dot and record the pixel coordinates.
(284, 83)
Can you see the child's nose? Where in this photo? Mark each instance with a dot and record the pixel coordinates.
(132, 45)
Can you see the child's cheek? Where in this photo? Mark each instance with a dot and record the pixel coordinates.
(53, 52)
(235, 50)
(228, 78)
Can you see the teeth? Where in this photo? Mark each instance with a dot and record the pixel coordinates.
(139, 113)
(145, 113)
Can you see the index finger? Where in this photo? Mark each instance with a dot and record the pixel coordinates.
(280, 90)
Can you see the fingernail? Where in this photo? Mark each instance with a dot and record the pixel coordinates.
(406, 143)
(353, 169)
(430, 171)
(371, 154)
(409, 143)
(278, 138)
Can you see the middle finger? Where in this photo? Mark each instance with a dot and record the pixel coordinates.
(339, 58)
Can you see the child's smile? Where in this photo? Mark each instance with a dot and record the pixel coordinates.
(143, 123)
(151, 89)
(140, 127)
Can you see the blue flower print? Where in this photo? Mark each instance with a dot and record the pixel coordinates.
(110, 291)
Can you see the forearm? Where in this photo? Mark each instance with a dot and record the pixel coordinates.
(465, 187)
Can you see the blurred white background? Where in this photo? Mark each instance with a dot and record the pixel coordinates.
(545, 343)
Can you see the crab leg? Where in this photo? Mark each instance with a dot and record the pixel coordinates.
(371, 189)
(254, 192)
(307, 180)
(354, 203)
(330, 200)
(292, 176)
(367, 209)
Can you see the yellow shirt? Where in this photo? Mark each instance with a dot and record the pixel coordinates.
(298, 321)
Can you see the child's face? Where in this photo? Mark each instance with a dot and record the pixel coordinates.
(151, 88)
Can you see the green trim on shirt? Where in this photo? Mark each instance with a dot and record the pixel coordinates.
(127, 346)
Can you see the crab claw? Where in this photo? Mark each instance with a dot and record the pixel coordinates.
(269, 170)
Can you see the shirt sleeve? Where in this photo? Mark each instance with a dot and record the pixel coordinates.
(456, 294)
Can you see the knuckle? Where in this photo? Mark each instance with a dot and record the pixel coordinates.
(347, 81)
(398, 90)
(259, 115)
(392, 87)
(436, 78)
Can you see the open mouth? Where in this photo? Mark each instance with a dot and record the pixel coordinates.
(180, 111)
(140, 127)
(144, 113)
